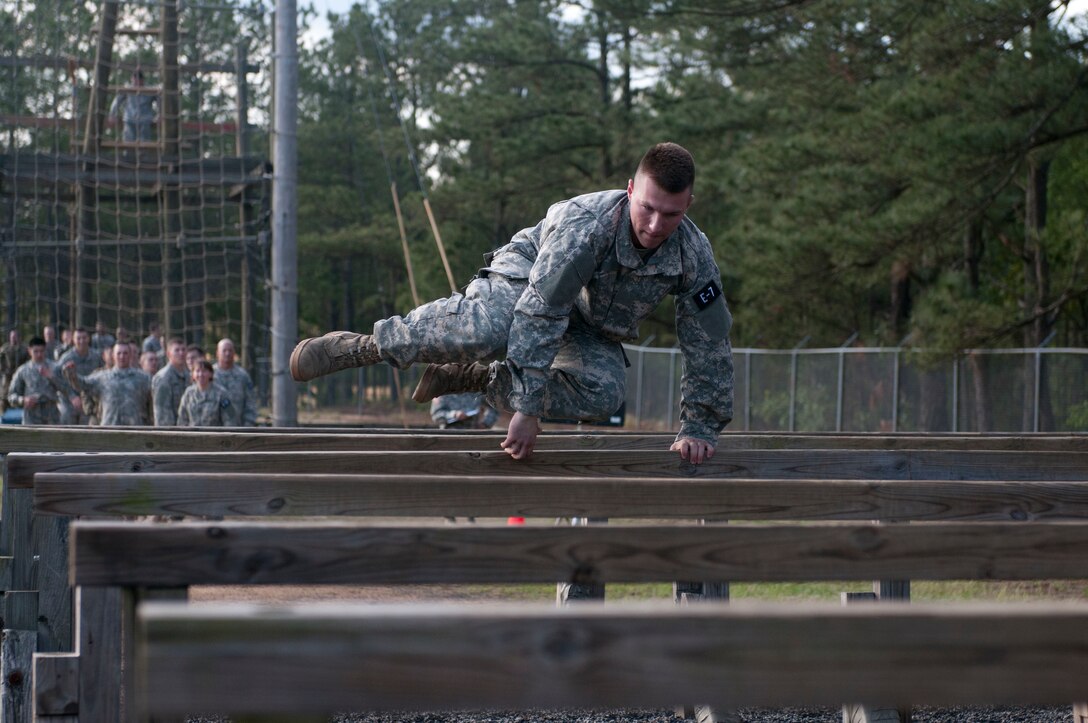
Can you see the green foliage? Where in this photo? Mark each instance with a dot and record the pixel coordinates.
(847, 151)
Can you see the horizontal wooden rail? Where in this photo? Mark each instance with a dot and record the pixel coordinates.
(790, 463)
(237, 553)
(318, 659)
(232, 495)
(249, 439)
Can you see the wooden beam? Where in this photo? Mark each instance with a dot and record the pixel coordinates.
(16, 438)
(308, 659)
(63, 62)
(331, 553)
(770, 464)
(293, 495)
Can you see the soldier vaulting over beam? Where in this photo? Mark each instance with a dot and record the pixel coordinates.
(558, 300)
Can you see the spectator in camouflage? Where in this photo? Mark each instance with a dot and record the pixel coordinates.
(235, 380)
(123, 392)
(35, 387)
(170, 383)
(86, 361)
(205, 403)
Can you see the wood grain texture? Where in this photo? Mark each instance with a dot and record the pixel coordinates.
(99, 634)
(16, 667)
(190, 553)
(439, 658)
(15, 438)
(56, 684)
(796, 464)
(286, 495)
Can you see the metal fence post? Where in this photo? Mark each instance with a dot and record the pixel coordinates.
(895, 391)
(955, 394)
(672, 379)
(748, 392)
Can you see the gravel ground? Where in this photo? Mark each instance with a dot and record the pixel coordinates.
(751, 715)
(783, 715)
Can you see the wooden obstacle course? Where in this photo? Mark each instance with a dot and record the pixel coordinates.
(634, 483)
(315, 659)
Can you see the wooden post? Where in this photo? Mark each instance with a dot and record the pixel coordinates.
(17, 644)
(50, 554)
(99, 630)
(245, 213)
(86, 193)
(859, 712)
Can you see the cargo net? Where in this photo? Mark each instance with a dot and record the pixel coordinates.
(134, 190)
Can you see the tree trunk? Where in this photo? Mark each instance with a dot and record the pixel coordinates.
(900, 298)
(1036, 291)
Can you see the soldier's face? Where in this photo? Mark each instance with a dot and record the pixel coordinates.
(37, 354)
(122, 356)
(655, 213)
(83, 342)
(202, 376)
(176, 352)
(225, 355)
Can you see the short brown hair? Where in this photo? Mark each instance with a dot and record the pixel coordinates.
(670, 166)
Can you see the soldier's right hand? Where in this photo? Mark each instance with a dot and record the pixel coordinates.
(30, 401)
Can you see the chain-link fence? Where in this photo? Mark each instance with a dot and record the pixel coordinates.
(854, 389)
(848, 389)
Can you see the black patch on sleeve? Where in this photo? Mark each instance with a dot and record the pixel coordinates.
(707, 295)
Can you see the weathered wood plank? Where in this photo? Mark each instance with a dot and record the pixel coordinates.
(322, 658)
(16, 660)
(248, 439)
(50, 549)
(213, 494)
(56, 684)
(99, 631)
(820, 464)
(191, 553)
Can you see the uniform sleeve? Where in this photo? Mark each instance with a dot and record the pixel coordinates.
(164, 413)
(183, 411)
(17, 390)
(228, 413)
(703, 322)
(149, 405)
(564, 265)
(249, 414)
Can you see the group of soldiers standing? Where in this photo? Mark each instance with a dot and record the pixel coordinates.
(109, 380)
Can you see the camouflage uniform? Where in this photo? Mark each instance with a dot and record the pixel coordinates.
(124, 395)
(209, 408)
(242, 393)
(85, 365)
(167, 388)
(12, 356)
(444, 411)
(29, 380)
(559, 299)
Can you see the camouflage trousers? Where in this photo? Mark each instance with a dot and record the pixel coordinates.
(586, 380)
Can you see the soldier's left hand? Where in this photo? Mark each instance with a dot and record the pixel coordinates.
(693, 450)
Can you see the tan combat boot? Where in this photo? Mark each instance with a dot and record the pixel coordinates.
(336, 350)
(451, 379)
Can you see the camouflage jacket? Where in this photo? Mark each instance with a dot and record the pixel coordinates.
(582, 265)
(167, 387)
(209, 408)
(242, 393)
(29, 380)
(124, 395)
